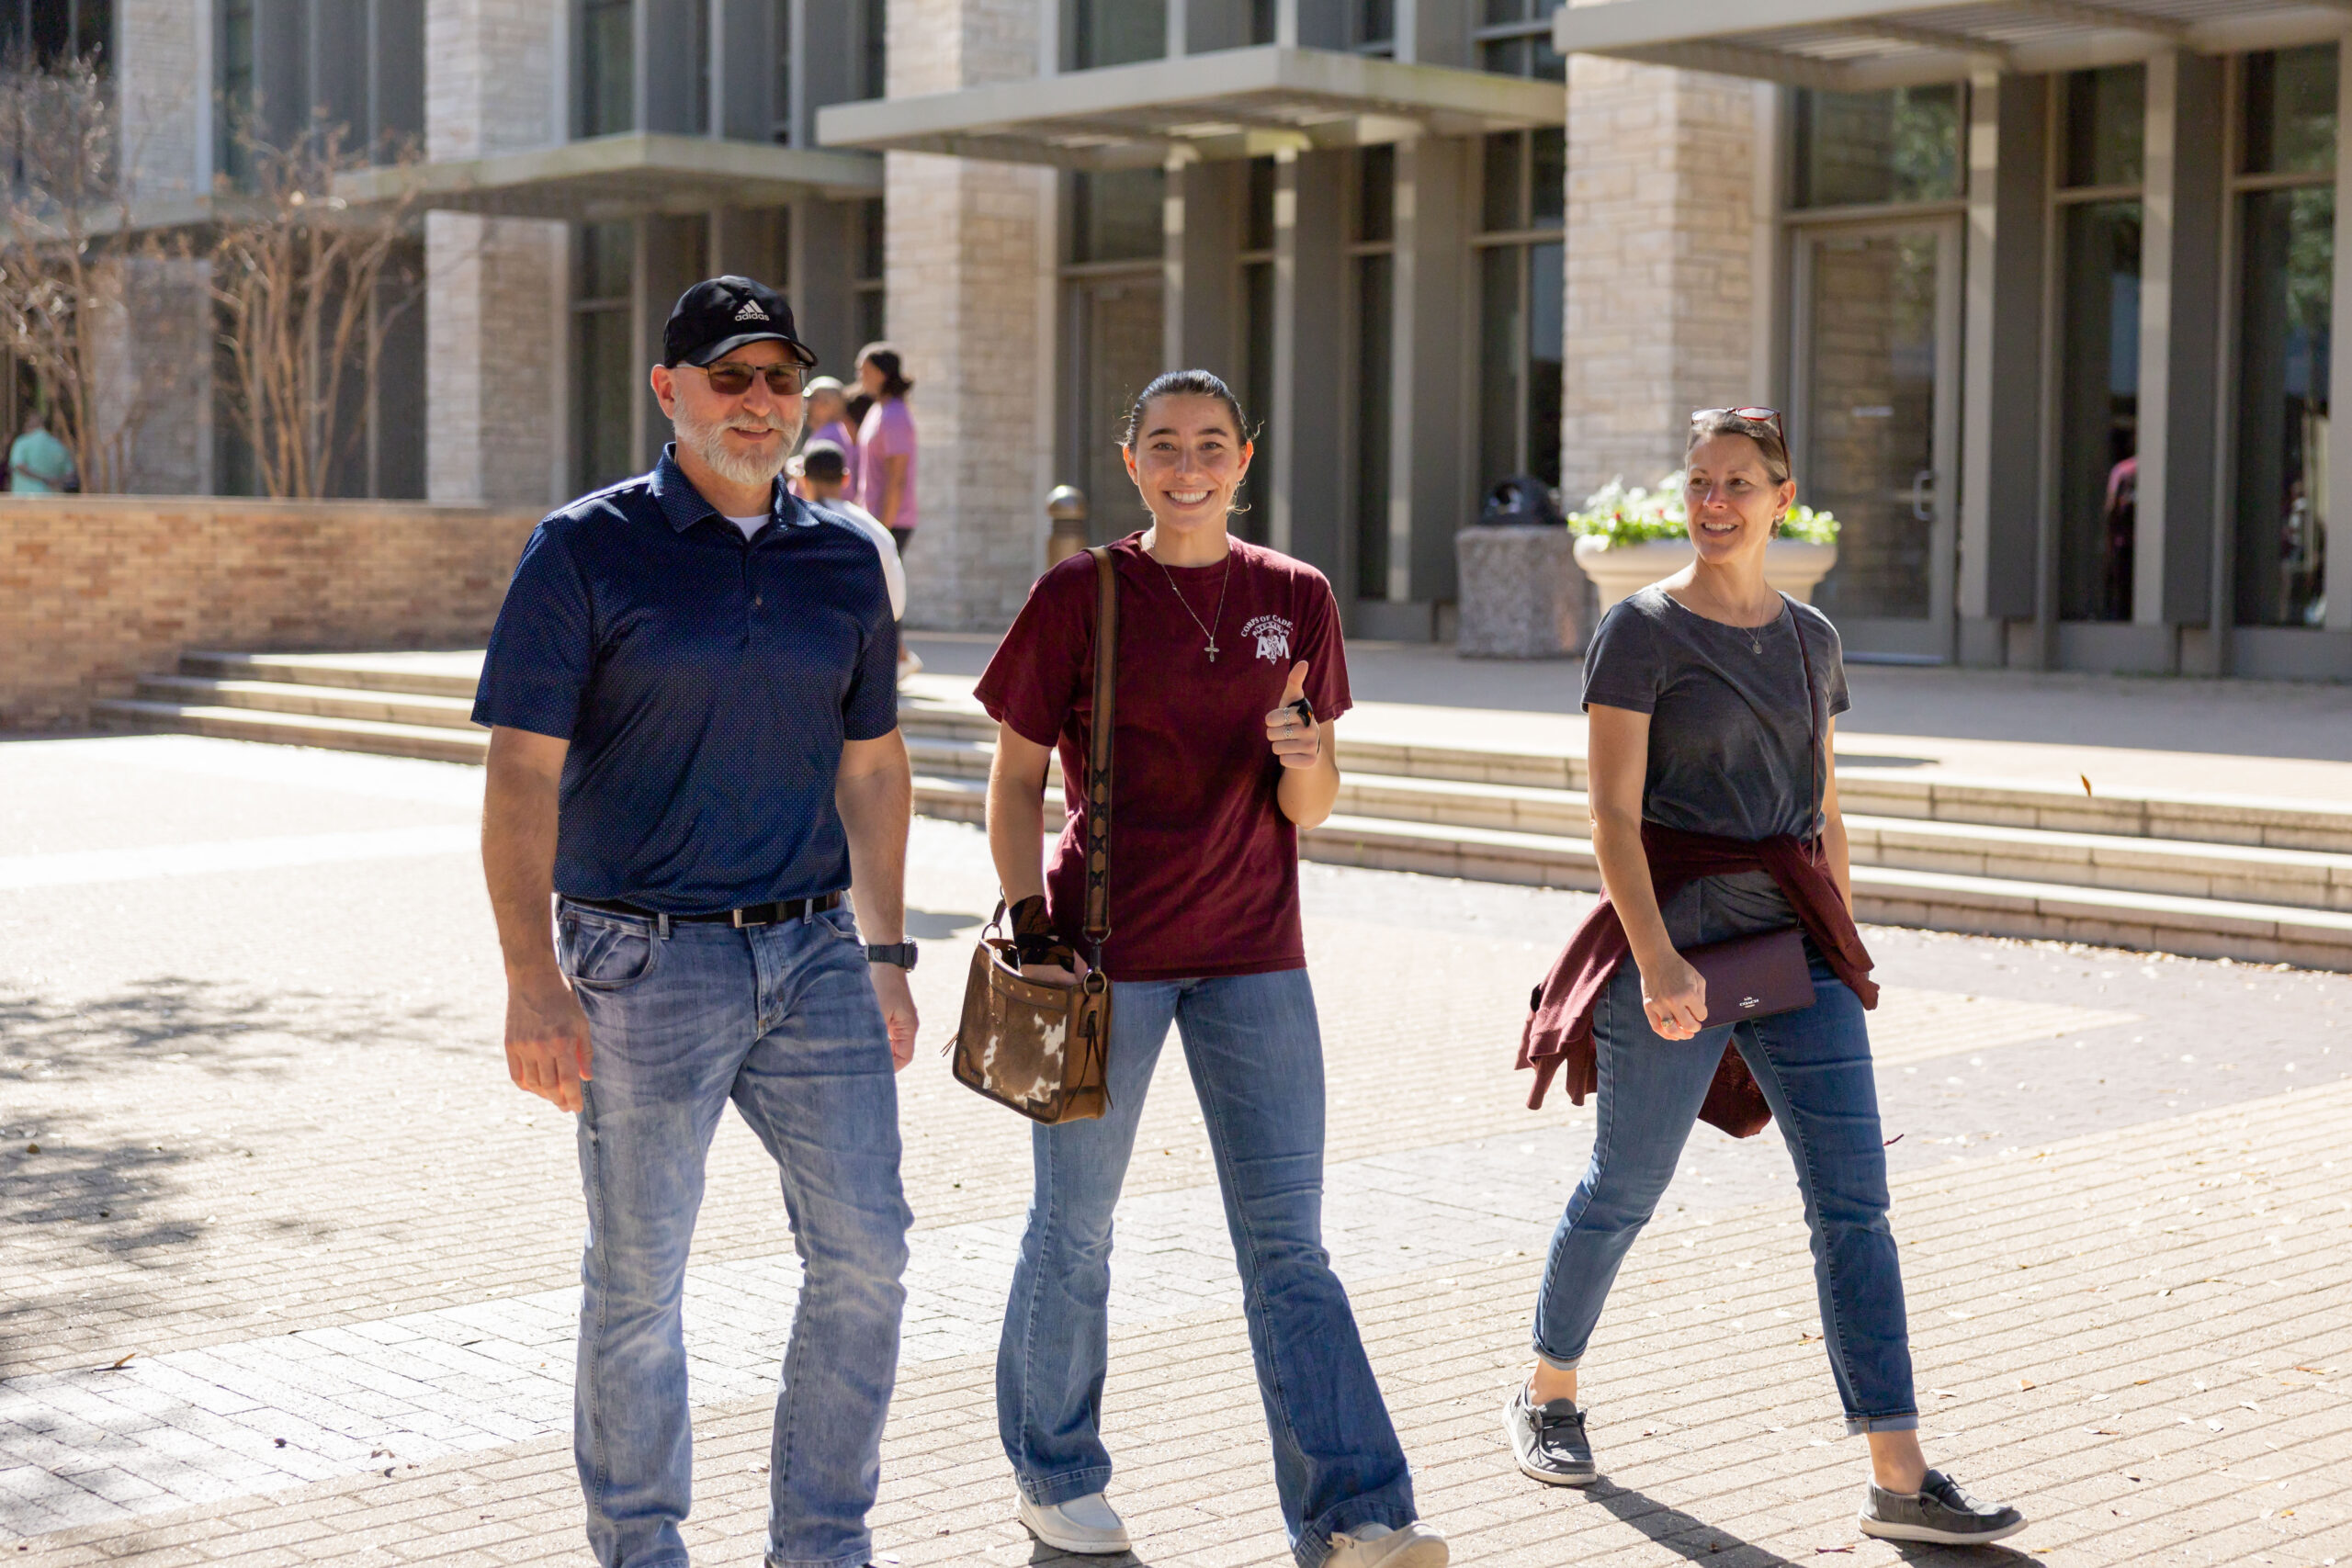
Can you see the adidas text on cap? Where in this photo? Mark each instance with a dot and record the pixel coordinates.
(720, 315)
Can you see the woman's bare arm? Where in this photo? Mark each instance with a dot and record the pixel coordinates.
(1833, 823)
(1617, 767)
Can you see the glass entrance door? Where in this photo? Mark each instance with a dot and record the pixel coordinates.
(1876, 426)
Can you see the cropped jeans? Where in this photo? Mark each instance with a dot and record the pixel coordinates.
(1815, 1070)
(782, 1020)
(1256, 1057)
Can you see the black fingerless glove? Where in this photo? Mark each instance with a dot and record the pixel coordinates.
(1033, 935)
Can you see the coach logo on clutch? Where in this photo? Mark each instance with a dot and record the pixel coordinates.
(1748, 1004)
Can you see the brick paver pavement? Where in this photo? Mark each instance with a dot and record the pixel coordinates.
(253, 1040)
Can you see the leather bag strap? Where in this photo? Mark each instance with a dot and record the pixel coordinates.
(1098, 761)
(1813, 757)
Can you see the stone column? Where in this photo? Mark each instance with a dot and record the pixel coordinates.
(495, 295)
(1660, 266)
(970, 276)
(2001, 430)
(2180, 296)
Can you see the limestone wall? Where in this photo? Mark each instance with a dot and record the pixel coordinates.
(1660, 270)
(96, 591)
(496, 335)
(965, 266)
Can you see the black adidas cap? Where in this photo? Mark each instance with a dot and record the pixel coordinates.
(721, 314)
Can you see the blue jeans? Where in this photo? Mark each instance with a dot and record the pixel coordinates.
(783, 1021)
(1815, 1070)
(1256, 1057)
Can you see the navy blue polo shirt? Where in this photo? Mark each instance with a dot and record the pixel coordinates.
(706, 683)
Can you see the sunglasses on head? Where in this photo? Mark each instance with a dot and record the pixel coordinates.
(1764, 416)
(734, 380)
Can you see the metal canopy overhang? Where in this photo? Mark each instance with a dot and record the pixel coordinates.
(1235, 103)
(1857, 45)
(621, 177)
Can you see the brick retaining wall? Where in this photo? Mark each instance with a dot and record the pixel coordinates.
(96, 591)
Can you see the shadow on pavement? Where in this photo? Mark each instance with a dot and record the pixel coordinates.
(87, 1087)
(1692, 1540)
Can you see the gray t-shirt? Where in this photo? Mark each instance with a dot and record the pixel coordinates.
(1730, 736)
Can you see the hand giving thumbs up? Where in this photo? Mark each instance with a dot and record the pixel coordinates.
(1290, 728)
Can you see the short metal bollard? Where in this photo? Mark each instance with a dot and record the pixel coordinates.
(1067, 507)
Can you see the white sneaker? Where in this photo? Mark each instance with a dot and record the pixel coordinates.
(1377, 1546)
(1085, 1525)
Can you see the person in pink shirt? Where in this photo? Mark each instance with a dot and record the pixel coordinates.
(886, 443)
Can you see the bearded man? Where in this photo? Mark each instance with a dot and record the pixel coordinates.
(694, 754)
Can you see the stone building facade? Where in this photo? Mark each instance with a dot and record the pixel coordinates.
(2045, 293)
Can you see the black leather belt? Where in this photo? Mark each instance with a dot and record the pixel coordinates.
(750, 915)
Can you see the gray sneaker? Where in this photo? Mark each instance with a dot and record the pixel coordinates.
(1940, 1512)
(1549, 1442)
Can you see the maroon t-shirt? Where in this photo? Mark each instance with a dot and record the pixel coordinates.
(1204, 864)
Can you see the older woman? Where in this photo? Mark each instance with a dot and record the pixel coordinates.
(1231, 673)
(1713, 700)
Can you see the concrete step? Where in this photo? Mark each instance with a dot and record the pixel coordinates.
(358, 672)
(433, 741)
(319, 702)
(2204, 928)
(2319, 826)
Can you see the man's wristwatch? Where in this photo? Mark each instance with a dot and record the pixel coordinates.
(901, 953)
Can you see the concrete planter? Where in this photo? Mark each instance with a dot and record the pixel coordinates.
(1520, 593)
(1790, 565)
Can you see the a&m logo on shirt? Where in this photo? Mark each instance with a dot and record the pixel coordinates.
(1273, 637)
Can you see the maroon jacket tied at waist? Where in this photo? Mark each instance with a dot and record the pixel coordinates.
(1560, 1027)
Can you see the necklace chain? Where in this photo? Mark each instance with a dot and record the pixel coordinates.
(1224, 579)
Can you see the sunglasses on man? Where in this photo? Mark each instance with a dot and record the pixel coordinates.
(733, 380)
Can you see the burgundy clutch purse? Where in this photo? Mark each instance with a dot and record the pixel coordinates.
(1754, 977)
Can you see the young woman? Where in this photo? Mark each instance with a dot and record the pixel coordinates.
(885, 455)
(1217, 769)
(886, 443)
(1715, 810)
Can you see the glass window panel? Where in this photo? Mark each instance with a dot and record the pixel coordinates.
(1265, 174)
(872, 234)
(1856, 149)
(607, 254)
(607, 385)
(2290, 111)
(1544, 62)
(1116, 215)
(2289, 247)
(1376, 195)
(1547, 177)
(1120, 335)
(1502, 331)
(53, 29)
(1117, 32)
(1546, 307)
(94, 29)
(1503, 160)
(1376, 285)
(874, 53)
(780, 102)
(1257, 395)
(608, 102)
(1499, 13)
(1504, 56)
(1262, 20)
(2105, 125)
(872, 314)
(236, 87)
(1376, 22)
(2099, 408)
(1870, 412)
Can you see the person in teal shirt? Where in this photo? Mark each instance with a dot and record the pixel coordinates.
(39, 463)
